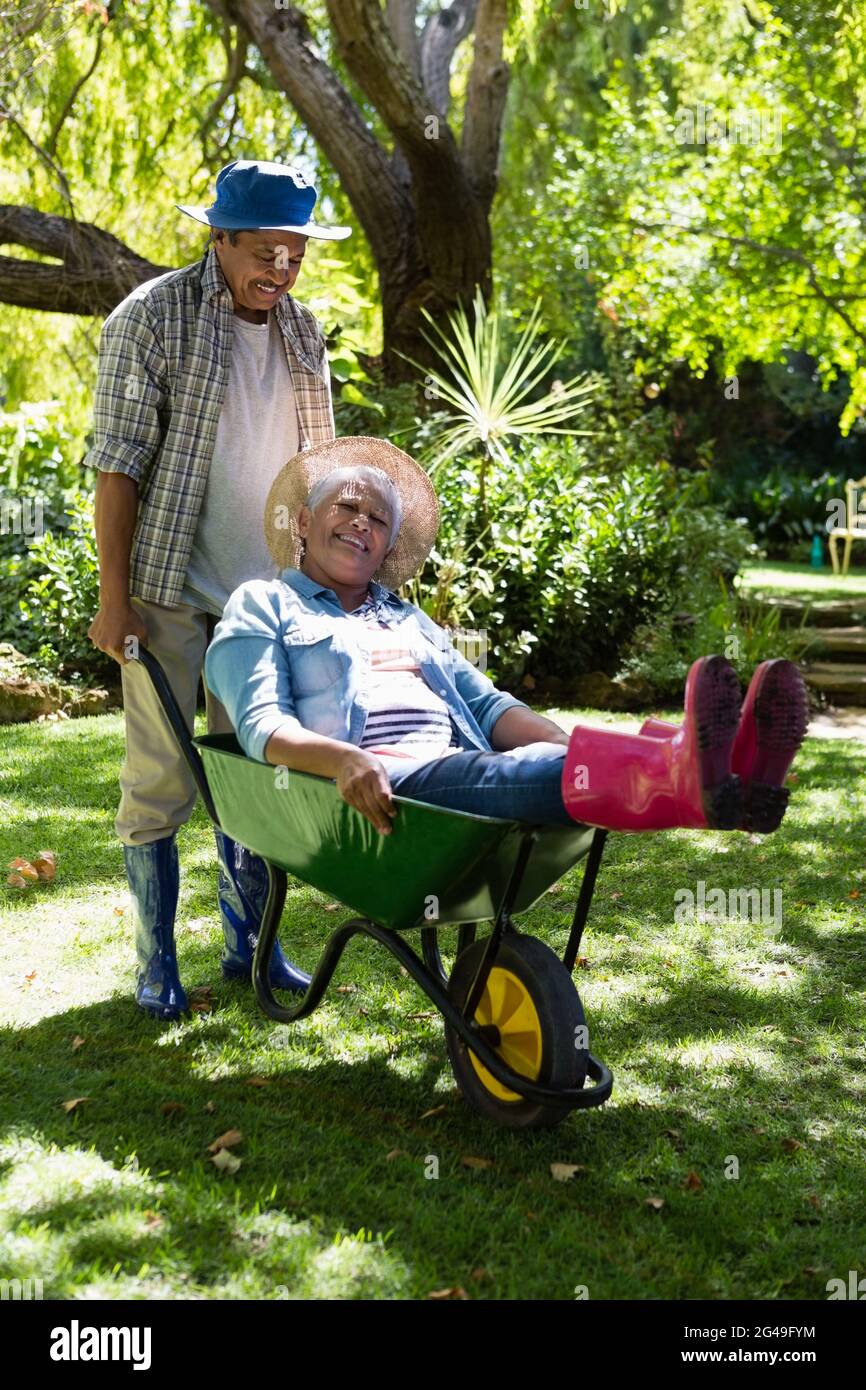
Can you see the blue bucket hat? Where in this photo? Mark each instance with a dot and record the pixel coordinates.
(252, 195)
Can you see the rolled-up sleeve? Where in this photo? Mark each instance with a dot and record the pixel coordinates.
(247, 668)
(131, 392)
(486, 703)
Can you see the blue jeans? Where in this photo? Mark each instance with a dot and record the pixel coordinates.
(521, 784)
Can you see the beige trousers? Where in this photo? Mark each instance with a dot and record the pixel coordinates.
(157, 791)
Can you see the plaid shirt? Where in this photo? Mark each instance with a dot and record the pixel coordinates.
(164, 356)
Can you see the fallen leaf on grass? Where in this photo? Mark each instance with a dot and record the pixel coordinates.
(693, 1182)
(655, 1202)
(27, 980)
(257, 1081)
(814, 1201)
(24, 869)
(436, 1111)
(16, 881)
(469, 1161)
(431, 1014)
(201, 1000)
(77, 1042)
(45, 865)
(395, 1153)
(479, 1274)
(346, 989)
(583, 963)
(171, 1107)
(792, 1145)
(331, 907)
(226, 1162)
(564, 1172)
(70, 1105)
(210, 1107)
(119, 911)
(226, 1141)
(448, 1293)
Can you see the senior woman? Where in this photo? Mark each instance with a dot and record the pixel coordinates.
(326, 670)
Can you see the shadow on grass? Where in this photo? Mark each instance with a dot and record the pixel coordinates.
(338, 1138)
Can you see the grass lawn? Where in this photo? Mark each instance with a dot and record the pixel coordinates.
(734, 1047)
(802, 582)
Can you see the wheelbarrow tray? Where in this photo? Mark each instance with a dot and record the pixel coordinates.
(436, 867)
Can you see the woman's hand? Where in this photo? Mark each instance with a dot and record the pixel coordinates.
(363, 782)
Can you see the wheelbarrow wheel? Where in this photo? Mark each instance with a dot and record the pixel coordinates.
(535, 1022)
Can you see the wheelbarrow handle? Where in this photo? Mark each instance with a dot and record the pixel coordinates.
(167, 699)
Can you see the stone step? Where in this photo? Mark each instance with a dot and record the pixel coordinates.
(829, 613)
(838, 643)
(843, 682)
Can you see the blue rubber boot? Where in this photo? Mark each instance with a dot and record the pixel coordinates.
(243, 892)
(153, 874)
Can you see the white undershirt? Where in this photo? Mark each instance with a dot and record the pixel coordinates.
(258, 432)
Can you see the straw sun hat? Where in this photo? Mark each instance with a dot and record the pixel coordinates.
(291, 487)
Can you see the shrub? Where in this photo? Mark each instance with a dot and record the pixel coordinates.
(701, 619)
(783, 508)
(569, 562)
(61, 596)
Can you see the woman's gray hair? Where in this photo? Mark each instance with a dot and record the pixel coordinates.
(376, 477)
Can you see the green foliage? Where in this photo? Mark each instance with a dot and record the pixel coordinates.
(35, 447)
(61, 596)
(782, 508)
(568, 562)
(702, 618)
(705, 188)
(493, 395)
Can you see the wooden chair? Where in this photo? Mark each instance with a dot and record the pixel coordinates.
(852, 531)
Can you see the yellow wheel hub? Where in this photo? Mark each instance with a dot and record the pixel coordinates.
(507, 1005)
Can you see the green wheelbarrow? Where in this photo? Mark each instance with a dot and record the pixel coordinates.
(515, 1028)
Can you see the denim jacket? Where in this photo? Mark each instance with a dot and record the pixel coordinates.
(284, 652)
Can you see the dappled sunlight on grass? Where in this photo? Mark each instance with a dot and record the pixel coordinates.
(725, 1038)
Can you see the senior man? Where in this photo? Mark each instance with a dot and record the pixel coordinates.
(210, 378)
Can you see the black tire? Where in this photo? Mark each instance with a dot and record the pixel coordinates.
(549, 989)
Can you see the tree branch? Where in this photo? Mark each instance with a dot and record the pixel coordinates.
(236, 70)
(785, 253)
(62, 184)
(51, 142)
(97, 270)
(443, 32)
(401, 21)
(485, 100)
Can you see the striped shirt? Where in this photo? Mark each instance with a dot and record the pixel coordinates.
(164, 359)
(405, 718)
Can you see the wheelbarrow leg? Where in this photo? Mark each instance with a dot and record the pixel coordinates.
(430, 947)
(587, 887)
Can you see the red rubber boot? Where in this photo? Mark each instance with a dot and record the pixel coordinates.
(630, 782)
(773, 724)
